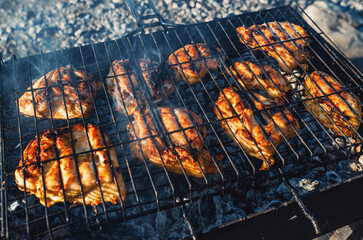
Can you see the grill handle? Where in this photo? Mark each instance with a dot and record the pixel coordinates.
(141, 18)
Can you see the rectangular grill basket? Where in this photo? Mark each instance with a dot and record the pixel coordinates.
(150, 189)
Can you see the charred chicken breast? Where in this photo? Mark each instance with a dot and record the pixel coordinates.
(157, 152)
(125, 90)
(237, 119)
(59, 88)
(252, 76)
(158, 78)
(287, 52)
(41, 158)
(319, 84)
(190, 71)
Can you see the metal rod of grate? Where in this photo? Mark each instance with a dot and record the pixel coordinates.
(150, 189)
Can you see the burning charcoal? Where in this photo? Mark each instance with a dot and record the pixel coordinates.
(316, 158)
(309, 185)
(313, 174)
(210, 140)
(318, 150)
(356, 167)
(295, 183)
(320, 169)
(302, 151)
(333, 177)
(284, 191)
(330, 148)
(346, 172)
(61, 233)
(160, 220)
(330, 156)
(290, 167)
(253, 195)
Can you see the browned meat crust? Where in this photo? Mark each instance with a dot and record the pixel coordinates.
(64, 80)
(127, 88)
(191, 70)
(317, 84)
(266, 78)
(158, 78)
(271, 33)
(245, 129)
(182, 150)
(60, 141)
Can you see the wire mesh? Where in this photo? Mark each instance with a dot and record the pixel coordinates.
(148, 188)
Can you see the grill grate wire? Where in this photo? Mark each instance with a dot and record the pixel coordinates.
(150, 189)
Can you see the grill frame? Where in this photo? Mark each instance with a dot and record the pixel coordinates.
(292, 223)
(178, 200)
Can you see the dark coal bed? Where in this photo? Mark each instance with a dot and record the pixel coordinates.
(311, 162)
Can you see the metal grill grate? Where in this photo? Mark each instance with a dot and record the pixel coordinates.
(148, 188)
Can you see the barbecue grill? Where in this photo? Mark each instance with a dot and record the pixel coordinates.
(150, 189)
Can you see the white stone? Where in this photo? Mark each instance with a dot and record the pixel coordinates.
(174, 5)
(337, 24)
(78, 33)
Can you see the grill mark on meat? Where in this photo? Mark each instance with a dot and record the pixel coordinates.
(129, 89)
(180, 146)
(286, 53)
(319, 84)
(262, 76)
(265, 78)
(60, 92)
(191, 63)
(273, 39)
(60, 141)
(245, 130)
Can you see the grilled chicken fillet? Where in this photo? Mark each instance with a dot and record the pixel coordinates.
(158, 78)
(274, 32)
(241, 123)
(190, 71)
(126, 90)
(319, 84)
(59, 141)
(266, 78)
(57, 83)
(152, 146)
